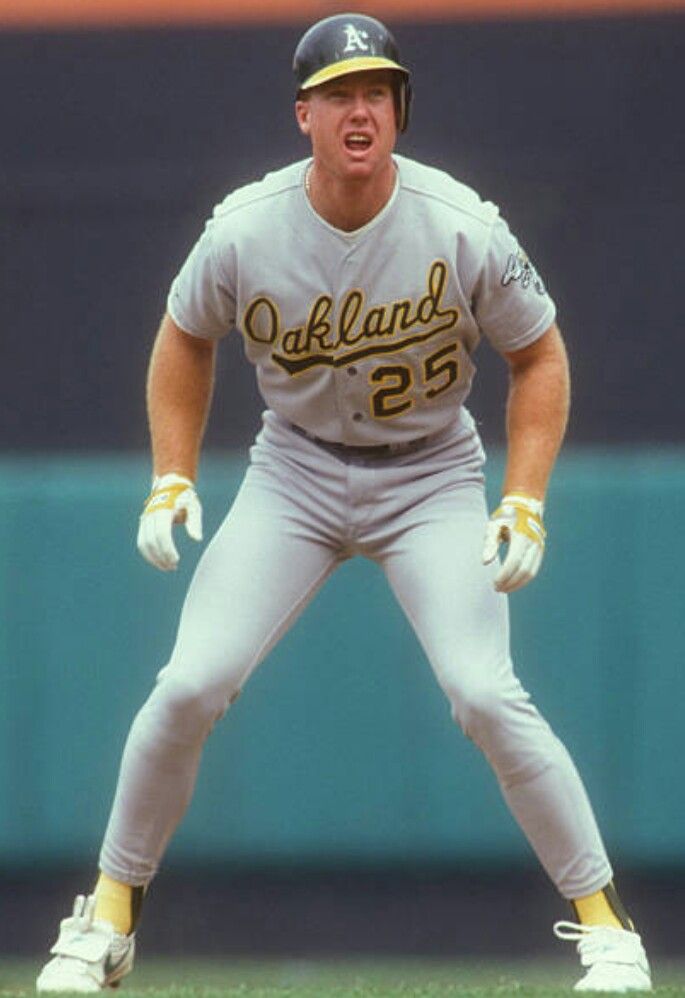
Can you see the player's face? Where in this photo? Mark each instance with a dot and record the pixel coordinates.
(351, 123)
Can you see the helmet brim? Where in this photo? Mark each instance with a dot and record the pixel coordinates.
(344, 67)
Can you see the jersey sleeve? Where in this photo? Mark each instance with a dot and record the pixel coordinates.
(510, 302)
(201, 299)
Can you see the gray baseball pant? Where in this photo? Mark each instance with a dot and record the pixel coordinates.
(301, 511)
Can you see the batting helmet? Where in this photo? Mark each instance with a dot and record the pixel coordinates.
(350, 43)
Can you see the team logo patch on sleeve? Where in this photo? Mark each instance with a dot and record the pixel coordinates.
(519, 268)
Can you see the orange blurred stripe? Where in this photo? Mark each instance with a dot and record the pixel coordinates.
(36, 13)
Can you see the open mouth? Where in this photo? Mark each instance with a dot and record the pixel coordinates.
(357, 142)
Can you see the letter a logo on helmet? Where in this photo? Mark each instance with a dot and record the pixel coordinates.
(351, 43)
(355, 39)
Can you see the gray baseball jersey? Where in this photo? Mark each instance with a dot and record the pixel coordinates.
(362, 337)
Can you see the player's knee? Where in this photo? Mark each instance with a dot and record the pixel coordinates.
(191, 706)
(477, 710)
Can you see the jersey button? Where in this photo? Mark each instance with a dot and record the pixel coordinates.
(351, 370)
(357, 417)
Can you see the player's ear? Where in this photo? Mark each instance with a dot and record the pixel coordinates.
(302, 113)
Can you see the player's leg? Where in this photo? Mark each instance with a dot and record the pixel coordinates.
(435, 569)
(255, 578)
(258, 573)
(436, 573)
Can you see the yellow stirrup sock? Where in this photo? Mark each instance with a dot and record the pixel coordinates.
(117, 903)
(602, 908)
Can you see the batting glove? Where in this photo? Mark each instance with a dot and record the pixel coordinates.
(173, 500)
(518, 522)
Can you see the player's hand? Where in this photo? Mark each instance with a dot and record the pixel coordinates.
(173, 500)
(516, 522)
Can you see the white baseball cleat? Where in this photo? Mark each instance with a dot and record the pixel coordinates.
(615, 958)
(89, 955)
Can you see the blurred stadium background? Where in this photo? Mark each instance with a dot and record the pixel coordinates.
(338, 811)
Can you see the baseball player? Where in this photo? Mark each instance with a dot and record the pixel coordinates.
(361, 282)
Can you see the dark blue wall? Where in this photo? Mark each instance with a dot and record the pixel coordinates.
(113, 147)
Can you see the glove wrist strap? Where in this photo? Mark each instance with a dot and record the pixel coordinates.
(535, 506)
(171, 478)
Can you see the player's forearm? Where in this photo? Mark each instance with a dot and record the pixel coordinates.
(179, 391)
(537, 414)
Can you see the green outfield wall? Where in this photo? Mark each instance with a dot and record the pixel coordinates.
(341, 748)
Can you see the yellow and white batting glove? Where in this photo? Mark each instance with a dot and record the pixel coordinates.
(517, 522)
(173, 500)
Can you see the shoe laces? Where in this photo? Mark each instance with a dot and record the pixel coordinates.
(601, 943)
